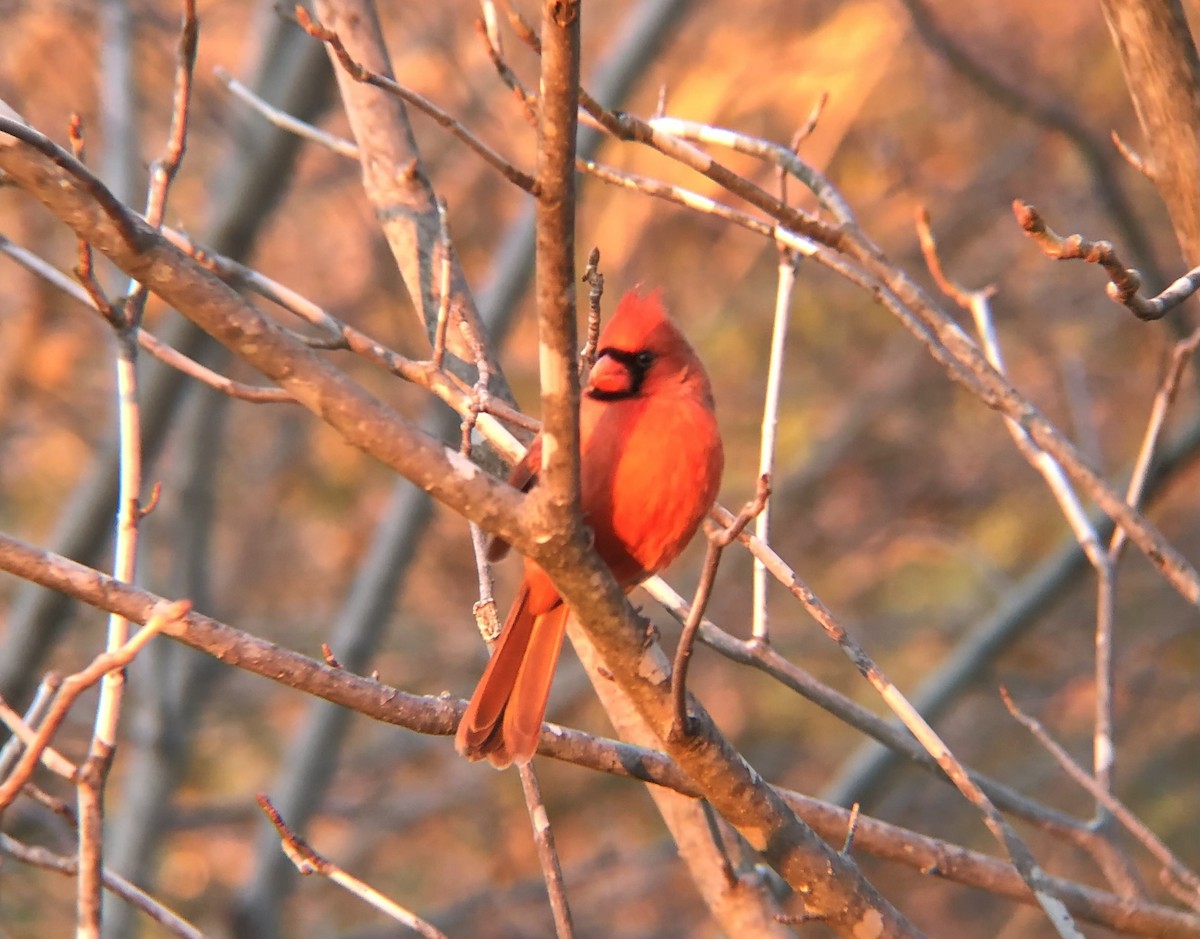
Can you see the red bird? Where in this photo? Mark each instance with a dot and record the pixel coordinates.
(651, 465)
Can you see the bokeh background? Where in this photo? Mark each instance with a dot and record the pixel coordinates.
(899, 497)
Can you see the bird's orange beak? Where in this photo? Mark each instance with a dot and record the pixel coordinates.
(610, 377)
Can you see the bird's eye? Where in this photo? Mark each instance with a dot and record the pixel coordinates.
(644, 360)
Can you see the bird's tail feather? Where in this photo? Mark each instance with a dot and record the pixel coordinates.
(503, 721)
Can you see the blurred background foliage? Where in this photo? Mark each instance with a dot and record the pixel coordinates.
(899, 498)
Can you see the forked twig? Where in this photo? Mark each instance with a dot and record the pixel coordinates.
(360, 73)
(74, 685)
(1152, 843)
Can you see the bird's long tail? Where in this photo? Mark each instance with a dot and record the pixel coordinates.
(503, 722)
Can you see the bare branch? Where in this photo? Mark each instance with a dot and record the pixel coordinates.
(439, 715)
(1132, 824)
(1125, 283)
(308, 861)
(361, 73)
(114, 883)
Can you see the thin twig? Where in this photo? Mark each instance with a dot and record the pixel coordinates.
(978, 303)
(713, 822)
(113, 883)
(526, 99)
(1016, 849)
(43, 697)
(484, 608)
(1132, 157)
(595, 281)
(1125, 284)
(24, 734)
(784, 284)
(443, 312)
(284, 121)
(362, 74)
(308, 861)
(1164, 397)
(165, 353)
(543, 839)
(717, 542)
(1132, 824)
(851, 828)
(74, 685)
(164, 170)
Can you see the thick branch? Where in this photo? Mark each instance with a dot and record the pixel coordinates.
(395, 181)
(1159, 59)
(555, 259)
(74, 196)
(439, 715)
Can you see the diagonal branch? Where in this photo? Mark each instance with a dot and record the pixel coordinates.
(71, 193)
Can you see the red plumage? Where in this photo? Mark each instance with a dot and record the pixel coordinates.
(651, 462)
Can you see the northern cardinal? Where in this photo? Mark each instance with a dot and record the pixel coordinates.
(651, 464)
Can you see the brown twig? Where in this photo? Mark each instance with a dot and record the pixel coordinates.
(1132, 157)
(164, 169)
(712, 822)
(115, 884)
(85, 267)
(164, 614)
(439, 715)
(851, 828)
(308, 861)
(717, 542)
(443, 313)
(803, 132)
(1125, 284)
(1151, 842)
(360, 73)
(527, 100)
(543, 839)
(595, 281)
(43, 697)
